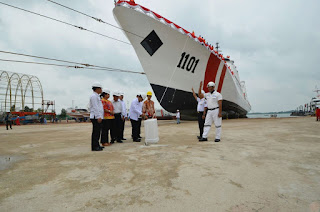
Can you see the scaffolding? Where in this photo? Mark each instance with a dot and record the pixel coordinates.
(18, 91)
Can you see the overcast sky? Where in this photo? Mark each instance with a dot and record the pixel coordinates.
(275, 46)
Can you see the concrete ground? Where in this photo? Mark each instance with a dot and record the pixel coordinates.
(260, 165)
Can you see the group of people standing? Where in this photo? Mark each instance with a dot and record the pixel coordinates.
(108, 117)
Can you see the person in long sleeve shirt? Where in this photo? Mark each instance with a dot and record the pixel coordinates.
(108, 121)
(96, 116)
(124, 115)
(118, 119)
(202, 104)
(134, 114)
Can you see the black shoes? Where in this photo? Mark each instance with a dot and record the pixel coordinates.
(123, 139)
(137, 140)
(203, 139)
(97, 149)
(199, 137)
(120, 141)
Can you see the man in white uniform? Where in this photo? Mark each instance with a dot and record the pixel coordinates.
(214, 112)
(124, 115)
(96, 116)
(178, 116)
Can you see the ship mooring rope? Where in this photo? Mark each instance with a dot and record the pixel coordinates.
(76, 66)
(66, 23)
(173, 73)
(96, 19)
(69, 66)
(65, 61)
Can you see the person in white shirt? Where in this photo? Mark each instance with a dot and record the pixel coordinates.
(134, 114)
(178, 117)
(202, 103)
(96, 116)
(123, 115)
(117, 118)
(214, 112)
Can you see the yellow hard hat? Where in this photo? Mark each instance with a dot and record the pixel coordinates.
(149, 93)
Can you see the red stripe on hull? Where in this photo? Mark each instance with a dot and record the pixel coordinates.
(211, 70)
(223, 73)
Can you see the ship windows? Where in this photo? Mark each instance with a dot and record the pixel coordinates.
(152, 43)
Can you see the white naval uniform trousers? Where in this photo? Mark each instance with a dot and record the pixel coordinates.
(212, 114)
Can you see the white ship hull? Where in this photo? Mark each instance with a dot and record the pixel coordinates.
(175, 61)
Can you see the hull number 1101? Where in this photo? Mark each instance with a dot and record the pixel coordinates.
(187, 62)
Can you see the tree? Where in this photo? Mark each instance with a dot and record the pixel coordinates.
(63, 113)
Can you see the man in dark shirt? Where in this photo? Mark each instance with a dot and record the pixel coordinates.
(8, 120)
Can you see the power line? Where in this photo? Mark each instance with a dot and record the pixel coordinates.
(96, 19)
(58, 60)
(86, 65)
(68, 66)
(63, 22)
(50, 64)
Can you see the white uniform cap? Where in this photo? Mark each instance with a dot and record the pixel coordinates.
(106, 91)
(97, 85)
(116, 93)
(177, 110)
(121, 93)
(211, 84)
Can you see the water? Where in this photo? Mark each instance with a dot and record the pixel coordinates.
(267, 115)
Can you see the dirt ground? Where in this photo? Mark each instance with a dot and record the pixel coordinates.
(259, 165)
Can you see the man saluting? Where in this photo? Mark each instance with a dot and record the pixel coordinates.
(214, 112)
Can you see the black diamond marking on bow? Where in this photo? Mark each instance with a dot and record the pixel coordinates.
(152, 43)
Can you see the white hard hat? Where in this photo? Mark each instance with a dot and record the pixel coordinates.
(105, 91)
(142, 94)
(116, 93)
(97, 85)
(211, 84)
